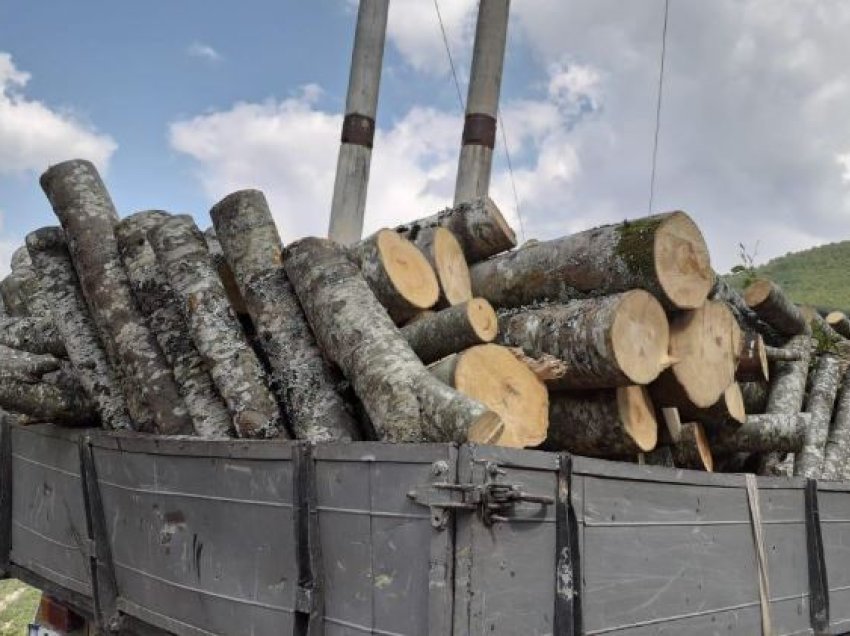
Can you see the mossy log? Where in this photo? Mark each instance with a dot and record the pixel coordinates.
(605, 342)
(665, 255)
(479, 227)
(753, 365)
(445, 254)
(404, 402)
(398, 274)
(838, 320)
(615, 423)
(763, 433)
(771, 304)
(440, 334)
(83, 206)
(182, 254)
(161, 307)
(836, 460)
(310, 388)
(71, 319)
(825, 380)
(36, 335)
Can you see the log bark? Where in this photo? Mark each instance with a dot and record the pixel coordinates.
(825, 380)
(755, 396)
(729, 411)
(614, 423)
(452, 330)
(35, 335)
(71, 318)
(781, 354)
(693, 450)
(161, 307)
(12, 295)
(479, 227)
(492, 375)
(24, 364)
(45, 395)
(827, 340)
(446, 257)
(664, 254)
(30, 291)
(753, 365)
(182, 254)
(836, 462)
(661, 456)
(838, 320)
(771, 304)
(83, 206)
(310, 389)
(404, 402)
(780, 432)
(398, 274)
(225, 274)
(605, 342)
(20, 258)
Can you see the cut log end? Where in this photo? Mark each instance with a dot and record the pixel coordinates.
(408, 270)
(451, 267)
(483, 319)
(682, 262)
(640, 337)
(757, 292)
(638, 416)
(487, 429)
(703, 447)
(733, 399)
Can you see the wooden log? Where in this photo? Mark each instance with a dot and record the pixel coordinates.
(728, 411)
(71, 318)
(612, 423)
(664, 254)
(693, 450)
(30, 291)
(445, 254)
(44, 394)
(754, 395)
(605, 342)
(451, 330)
(182, 254)
(398, 274)
(838, 320)
(20, 258)
(83, 206)
(771, 304)
(36, 335)
(781, 354)
(753, 365)
(161, 307)
(780, 432)
(826, 378)
(24, 364)
(479, 227)
(836, 461)
(12, 295)
(310, 389)
(225, 274)
(747, 319)
(404, 402)
(547, 368)
(661, 456)
(827, 339)
(491, 375)
(704, 342)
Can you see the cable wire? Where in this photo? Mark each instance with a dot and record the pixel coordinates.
(511, 173)
(658, 106)
(449, 54)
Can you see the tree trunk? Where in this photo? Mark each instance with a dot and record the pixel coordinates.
(12, 295)
(753, 365)
(605, 342)
(782, 354)
(478, 226)
(45, 395)
(755, 396)
(838, 320)
(404, 402)
(30, 291)
(661, 456)
(307, 385)
(825, 380)
(225, 274)
(836, 462)
(704, 342)
(747, 319)
(693, 450)
(36, 335)
(398, 274)
(663, 254)
(771, 304)
(84, 208)
(71, 318)
(161, 307)
(729, 411)
(451, 330)
(492, 375)
(779, 432)
(22, 363)
(237, 373)
(614, 423)
(445, 255)
(827, 339)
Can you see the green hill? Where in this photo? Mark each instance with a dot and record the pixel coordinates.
(819, 276)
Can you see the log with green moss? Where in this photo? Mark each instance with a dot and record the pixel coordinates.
(838, 320)
(825, 380)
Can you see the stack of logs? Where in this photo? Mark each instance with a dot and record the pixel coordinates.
(437, 330)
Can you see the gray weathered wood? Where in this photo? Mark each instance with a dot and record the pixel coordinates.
(771, 304)
(825, 380)
(12, 295)
(755, 396)
(838, 320)
(31, 388)
(440, 334)
(780, 432)
(836, 461)
(36, 335)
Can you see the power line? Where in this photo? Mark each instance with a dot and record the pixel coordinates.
(511, 173)
(449, 54)
(658, 105)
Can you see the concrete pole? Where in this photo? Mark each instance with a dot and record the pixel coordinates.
(358, 127)
(482, 103)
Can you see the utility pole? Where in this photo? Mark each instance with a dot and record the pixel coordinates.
(358, 127)
(482, 103)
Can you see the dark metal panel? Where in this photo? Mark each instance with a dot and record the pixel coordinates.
(628, 471)
(202, 543)
(834, 507)
(5, 491)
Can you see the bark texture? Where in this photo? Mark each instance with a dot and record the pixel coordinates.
(663, 254)
(825, 380)
(36, 335)
(451, 330)
(309, 388)
(237, 373)
(30, 291)
(403, 400)
(12, 295)
(771, 304)
(692, 449)
(83, 206)
(746, 317)
(839, 321)
(755, 396)
(479, 227)
(225, 274)
(782, 354)
(728, 411)
(161, 307)
(836, 462)
(780, 432)
(72, 320)
(753, 365)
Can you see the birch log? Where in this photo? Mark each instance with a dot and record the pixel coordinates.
(12, 295)
(309, 388)
(664, 254)
(440, 334)
(614, 423)
(838, 320)
(479, 227)
(83, 206)
(405, 403)
(692, 450)
(44, 394)
(30, 291)
(225, 274)
(753, 365)
(161, 307)
(825, 380)
(36, 335)
(445, 254)
(754, 395)
(836, 462)
(782, 354)
(728, 411)
(182, 254)
(771, 304)
(605, 342)
(780, 432)
(71, 318)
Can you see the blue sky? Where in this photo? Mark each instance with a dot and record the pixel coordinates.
(182, 102)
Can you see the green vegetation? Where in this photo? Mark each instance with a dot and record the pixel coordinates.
(819, 276)
(18, 603)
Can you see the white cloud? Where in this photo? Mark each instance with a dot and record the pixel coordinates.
(203, 51)
(32, 135)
